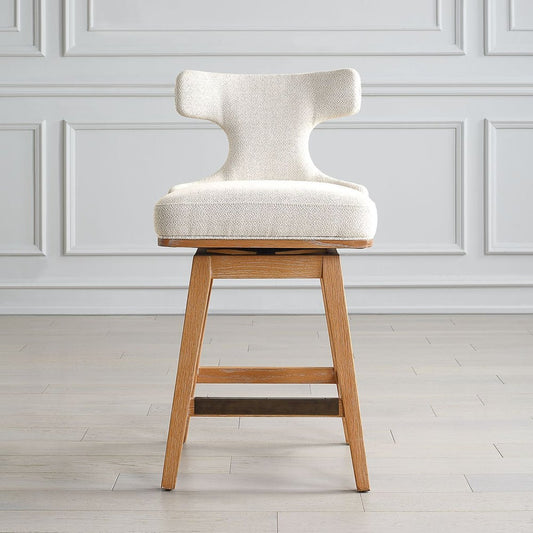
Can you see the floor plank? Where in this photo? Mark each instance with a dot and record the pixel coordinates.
(406, 522)
(133, 521)
(447, 407)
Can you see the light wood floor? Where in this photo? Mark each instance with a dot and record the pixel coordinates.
(447, 404)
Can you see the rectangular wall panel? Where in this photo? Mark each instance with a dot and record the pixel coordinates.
(21, 28)
(521, 15)
(115, 173)
(509, 187)
(415, 173)
(213, 15)
(110, 180)
(9, 15)
(509, 27)
(21, 190)
(233, 27)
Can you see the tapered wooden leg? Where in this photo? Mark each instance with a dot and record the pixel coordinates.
(332, 344)
(341, 348)
(197, 364)
(191, 342)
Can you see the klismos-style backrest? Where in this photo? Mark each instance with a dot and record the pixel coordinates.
(268, 118)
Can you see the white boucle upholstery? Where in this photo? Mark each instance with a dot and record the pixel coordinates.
(266, 209)
(269, 186)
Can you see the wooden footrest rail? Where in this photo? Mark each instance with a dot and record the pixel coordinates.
(235, 374)
(208, 406)
(224, 406)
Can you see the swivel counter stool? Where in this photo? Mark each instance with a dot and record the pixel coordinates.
(267, 213)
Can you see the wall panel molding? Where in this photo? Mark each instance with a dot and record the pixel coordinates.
(504, 35)
(441, 36)
(457, 247)
(173, 25)
(515, 23)
(15, 25)
(279, 284)
(37, 247)
(71, 247)
(26, 36)
(120, 90)
(492, 245)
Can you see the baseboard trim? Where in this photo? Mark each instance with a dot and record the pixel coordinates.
(396, 298)
(269, 285)
(158, 310)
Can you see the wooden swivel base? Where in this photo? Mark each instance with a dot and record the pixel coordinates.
(209, 264)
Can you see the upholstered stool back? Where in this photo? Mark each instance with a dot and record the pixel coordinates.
(268, 118)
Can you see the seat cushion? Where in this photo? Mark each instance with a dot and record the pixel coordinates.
(265, 209)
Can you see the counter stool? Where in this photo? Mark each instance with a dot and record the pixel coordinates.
(267, 213)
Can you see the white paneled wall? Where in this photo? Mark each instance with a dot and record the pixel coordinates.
(89, 140)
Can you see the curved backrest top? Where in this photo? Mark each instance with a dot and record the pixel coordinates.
(268, 117)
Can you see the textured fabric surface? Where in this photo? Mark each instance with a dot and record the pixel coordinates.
(265, 209)
(268, 120)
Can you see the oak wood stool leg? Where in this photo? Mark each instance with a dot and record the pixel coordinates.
(332, 346)
(341, 349)
(191, 343)
(198, 360)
